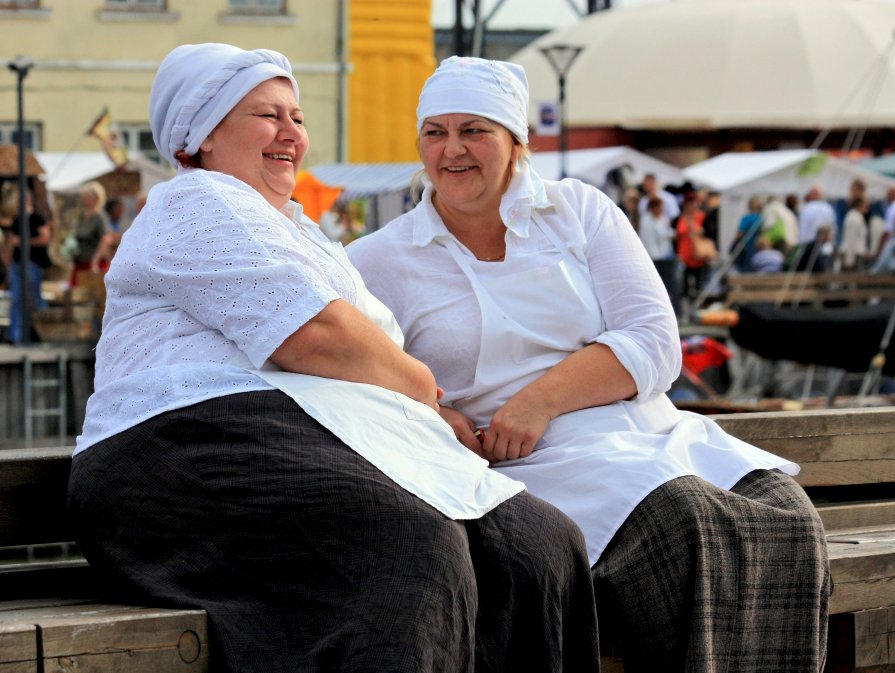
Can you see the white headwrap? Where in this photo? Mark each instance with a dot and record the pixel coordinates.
(198, 84)
(496, 90)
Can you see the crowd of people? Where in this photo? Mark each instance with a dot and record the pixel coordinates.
(75, 251)
(680, 232)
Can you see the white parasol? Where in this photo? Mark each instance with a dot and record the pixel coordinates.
(704, 64)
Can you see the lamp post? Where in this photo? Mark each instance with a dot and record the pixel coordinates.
(560, 57)
(21, 66)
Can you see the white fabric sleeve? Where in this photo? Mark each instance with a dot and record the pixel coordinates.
(238, 270)
(640, 326)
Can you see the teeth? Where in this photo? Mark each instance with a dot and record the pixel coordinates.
(284, 157)
(456, 169)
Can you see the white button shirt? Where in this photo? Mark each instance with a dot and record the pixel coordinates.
(575, 273)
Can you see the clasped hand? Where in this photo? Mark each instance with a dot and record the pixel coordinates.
(513, 433)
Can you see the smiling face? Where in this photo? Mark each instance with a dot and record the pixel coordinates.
(468, 158)
(261, 141)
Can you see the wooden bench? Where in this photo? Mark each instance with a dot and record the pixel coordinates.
(816, 289)
(54, 616)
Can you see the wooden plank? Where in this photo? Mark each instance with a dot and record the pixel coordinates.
(857, 515)
(103, 637)
(833, 446)
(861, 642)
(806, 295)
(862, 563)
(18, 648)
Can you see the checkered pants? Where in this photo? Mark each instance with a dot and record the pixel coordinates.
(703, 580)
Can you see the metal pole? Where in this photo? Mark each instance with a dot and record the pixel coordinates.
(21, 67)
(560, 57)
(458, 28)
(563, 142)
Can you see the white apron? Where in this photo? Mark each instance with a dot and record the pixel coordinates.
(594, 464)
(405, 439)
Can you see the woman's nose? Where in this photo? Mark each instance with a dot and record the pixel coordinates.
(454, 145)
(289, 129)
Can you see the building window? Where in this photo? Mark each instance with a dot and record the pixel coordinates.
(257, 6)
(9, 135)
(139, 5)
(137, 138)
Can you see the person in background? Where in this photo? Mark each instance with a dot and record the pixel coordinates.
(817, 226)
(91, 226)
(630, 206)
(748, 231)
(853, 249)
(689, 228)
(767, 258)
(115, 214)
(658, 237)
(857, 191)
(107, 247)
(650, 188)
(258, 444)
(39, 235)
(544, 319)
(780, 225)
(710, 206)
(888, 223)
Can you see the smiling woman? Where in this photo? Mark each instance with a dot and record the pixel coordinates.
(260, 446)
(262, 141)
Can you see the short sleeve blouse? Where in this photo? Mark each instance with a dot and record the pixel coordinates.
(207, 283)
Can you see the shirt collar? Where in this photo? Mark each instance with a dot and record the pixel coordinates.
(524, 194)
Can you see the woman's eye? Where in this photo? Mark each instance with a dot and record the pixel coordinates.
(298, 121)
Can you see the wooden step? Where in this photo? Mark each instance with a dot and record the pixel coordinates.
(67, 635)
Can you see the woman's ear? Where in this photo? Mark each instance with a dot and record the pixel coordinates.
(206, 145)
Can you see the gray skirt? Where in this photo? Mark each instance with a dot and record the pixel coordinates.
(307, 558)
(703, 580)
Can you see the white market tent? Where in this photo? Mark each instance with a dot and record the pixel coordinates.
(739, 175)
(67, 171)
(363, 180)
(594, 166)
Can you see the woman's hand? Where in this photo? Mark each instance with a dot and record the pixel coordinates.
(516, 428)
(463, 428)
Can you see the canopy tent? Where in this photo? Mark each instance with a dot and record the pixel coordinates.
(703, 64)
(387, 186)
(361, 180)
(884, 165)
(595, 166)
(67, 171)
(739, 175)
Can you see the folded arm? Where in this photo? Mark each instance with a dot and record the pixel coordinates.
(340, 342)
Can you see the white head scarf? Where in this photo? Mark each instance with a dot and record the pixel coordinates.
(198, 84)
(498, 91)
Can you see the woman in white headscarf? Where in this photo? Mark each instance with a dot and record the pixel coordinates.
(259, 445)
(547, 325)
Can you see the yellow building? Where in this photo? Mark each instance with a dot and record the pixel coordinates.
(359, 64)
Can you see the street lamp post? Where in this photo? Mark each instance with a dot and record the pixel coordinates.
(560, 57)
(21, 66)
